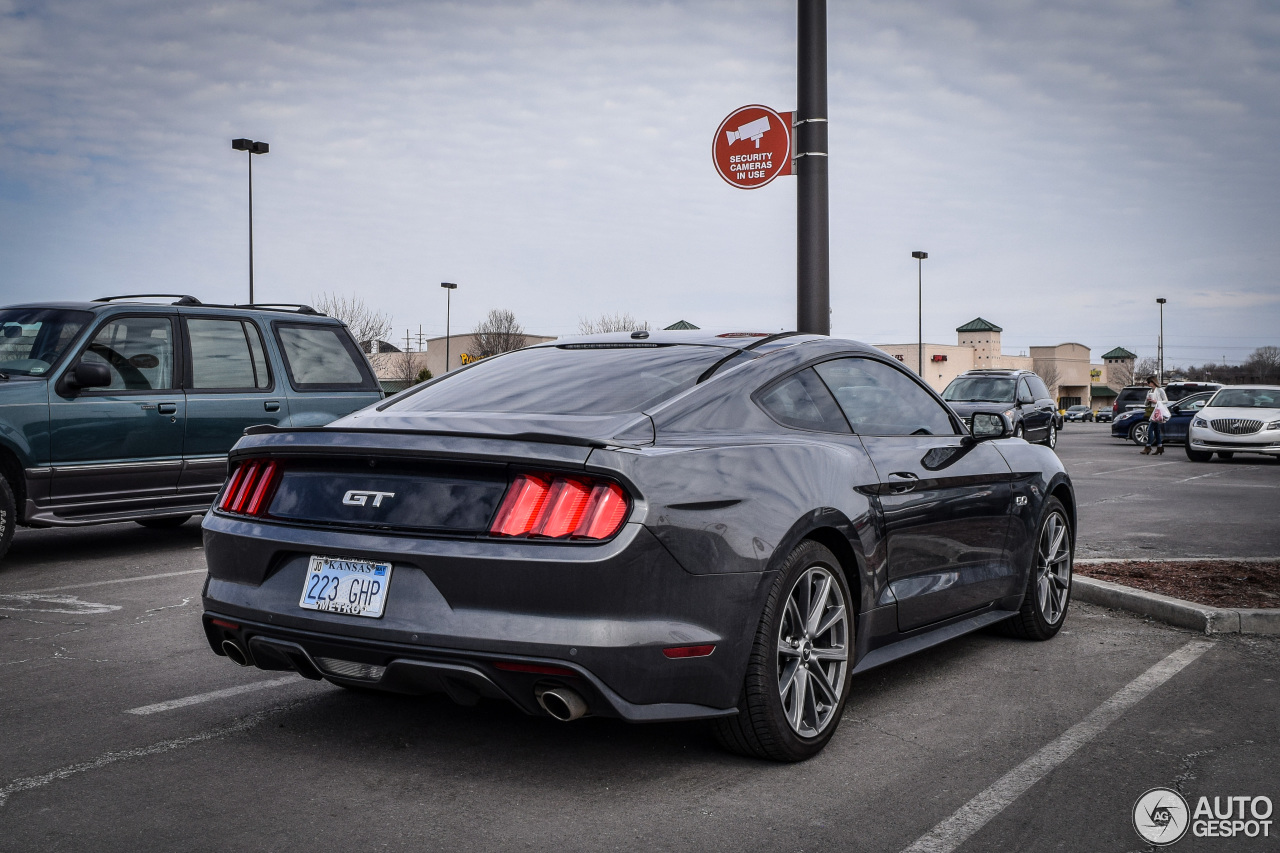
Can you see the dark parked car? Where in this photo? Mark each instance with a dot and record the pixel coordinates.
(663, 526)
(1020, 394)
(1133, 424)
(1103, 416)
(1176, 391)
(1130, 397)
(1082, 414)
(120, 410)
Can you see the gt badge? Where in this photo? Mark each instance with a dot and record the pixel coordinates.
(355, 497)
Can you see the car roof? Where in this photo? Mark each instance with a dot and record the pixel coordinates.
(183, 302)
(996, 371)
(754, 340)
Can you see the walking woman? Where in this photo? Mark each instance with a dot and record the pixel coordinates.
(1157, 407)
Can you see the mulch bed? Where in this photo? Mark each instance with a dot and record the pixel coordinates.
(1216, 583)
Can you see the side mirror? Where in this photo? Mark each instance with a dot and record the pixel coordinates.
(988, 425)
(89, 375)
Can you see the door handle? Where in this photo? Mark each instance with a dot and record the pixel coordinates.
(902, 482)
(271, 405)
(168, 408)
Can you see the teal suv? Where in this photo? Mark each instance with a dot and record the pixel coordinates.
(124, 410)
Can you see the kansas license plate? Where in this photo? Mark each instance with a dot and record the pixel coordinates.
(340, 585)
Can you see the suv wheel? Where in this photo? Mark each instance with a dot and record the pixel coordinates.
(8, 515)
(1017, 431)
(1051, 440)
(798, 674)
(1138, 433)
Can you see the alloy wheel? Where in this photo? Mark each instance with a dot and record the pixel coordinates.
(813, 651)
(1053, 568)
(1138, 435)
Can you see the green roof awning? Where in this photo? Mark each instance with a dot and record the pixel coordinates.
(979, 325)
(1119, 352)
(680, 325)
(1101, 391)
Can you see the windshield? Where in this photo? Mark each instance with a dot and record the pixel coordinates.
(568, 380)
(1246, 398)
(980, 389)
(33, 339)
(1078, 409)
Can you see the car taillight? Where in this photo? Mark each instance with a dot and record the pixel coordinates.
(550, 506)
(249, 490)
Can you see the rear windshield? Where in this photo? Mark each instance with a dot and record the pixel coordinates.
(980, 389)
(33, 339)
(567, 380)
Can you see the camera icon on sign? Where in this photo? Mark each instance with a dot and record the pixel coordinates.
(752, 130)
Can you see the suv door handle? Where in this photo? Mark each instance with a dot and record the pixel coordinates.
(271, 405)
(168, 408)
(902, 482)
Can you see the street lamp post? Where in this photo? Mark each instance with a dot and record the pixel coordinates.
(920, 256)
(1160, 300)
(449, 287)
(253, 148)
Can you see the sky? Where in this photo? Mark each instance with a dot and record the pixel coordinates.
(1063, 163)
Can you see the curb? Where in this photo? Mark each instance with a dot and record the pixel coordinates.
(1175, 611)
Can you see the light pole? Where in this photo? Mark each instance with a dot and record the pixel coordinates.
(813, 226)
(1160, 300)
(253, 148)
(449, 287)
(920, 256)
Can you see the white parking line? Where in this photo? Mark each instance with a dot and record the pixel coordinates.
(209, 697)
(31, 782)
(118, 580)
(1132, 468)
(973, 815)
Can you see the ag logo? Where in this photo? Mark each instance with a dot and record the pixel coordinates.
(1160, 816)
(355, 497)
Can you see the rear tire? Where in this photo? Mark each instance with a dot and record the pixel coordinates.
(1051, 441)
(163, 523)
(1198, 455)
(1138, 433)
(8, 516)
(798, 674)
(1048, 593)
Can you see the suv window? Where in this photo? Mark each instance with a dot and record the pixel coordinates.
(32, 339)
(137, 350)
(1024, 392)
(882, 400)
(227, 355)
(979, 389)
(802, 400)
(1133, 395)
(1039, 391)
(320, 358)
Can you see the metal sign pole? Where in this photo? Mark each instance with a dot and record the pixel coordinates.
(813, 250)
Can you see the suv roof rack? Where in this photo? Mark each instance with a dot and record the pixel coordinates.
(182, 298)
(296, 307)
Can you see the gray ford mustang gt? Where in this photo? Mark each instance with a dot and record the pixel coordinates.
(665, 526)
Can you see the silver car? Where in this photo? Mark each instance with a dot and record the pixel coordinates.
(1238, 419)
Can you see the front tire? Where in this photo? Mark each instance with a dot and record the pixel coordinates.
(1197, 455)
(8, 516)
(1048, 593)
(797, 678)
(1051, 440)
(1138, 433)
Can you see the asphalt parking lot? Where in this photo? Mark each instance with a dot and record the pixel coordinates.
(123, 732)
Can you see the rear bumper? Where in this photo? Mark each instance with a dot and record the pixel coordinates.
(605, 611)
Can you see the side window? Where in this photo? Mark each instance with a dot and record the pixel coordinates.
(1038, 389)
(226, 355)
(801, 400)
(137, 350)
(319, 358)
(882, 400)
(1024, 393)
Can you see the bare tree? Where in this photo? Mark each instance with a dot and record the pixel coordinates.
(1149, 366)
(1047, 370)
(498, 332)
(404, 368)
(1120, 374)
(1264, 363)
(365, 323)
(621, 321)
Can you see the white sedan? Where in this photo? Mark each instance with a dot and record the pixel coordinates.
(1238, 419)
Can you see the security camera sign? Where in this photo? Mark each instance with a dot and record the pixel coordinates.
(753, 146)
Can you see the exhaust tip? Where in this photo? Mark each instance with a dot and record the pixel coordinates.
(232, 649)
(562, 703)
